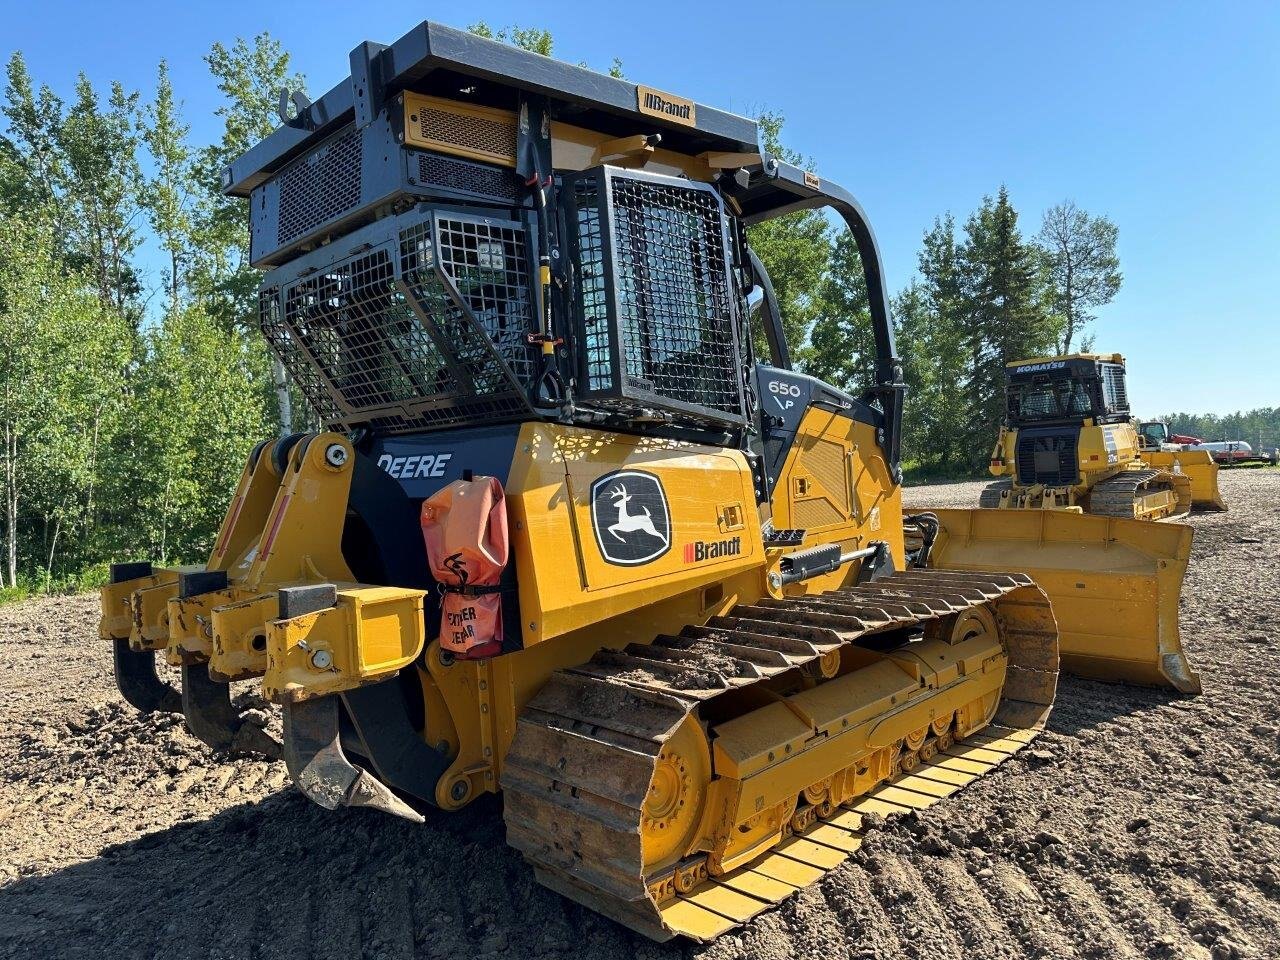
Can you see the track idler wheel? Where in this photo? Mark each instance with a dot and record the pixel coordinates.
(313, 754)
(672, 807)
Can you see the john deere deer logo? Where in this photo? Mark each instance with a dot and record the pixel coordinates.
(630, 516)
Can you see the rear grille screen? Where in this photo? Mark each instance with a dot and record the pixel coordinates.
(1114, 395)
(425, 330)
(654, 306)
(320, 186)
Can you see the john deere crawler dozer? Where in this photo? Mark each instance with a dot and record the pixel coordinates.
(563, 536)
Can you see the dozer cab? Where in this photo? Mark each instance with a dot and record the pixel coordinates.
(563, 536)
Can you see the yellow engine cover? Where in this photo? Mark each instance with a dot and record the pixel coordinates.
(604, 523)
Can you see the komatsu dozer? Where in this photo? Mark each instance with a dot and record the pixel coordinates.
(562, 535)
(1070, 450)
(1069, 441)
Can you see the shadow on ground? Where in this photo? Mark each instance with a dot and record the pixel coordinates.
(284, 878)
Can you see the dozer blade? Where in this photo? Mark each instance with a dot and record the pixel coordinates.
(1200, 467)
(320, 769)
(1114, 584)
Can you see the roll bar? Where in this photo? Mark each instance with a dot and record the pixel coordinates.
(774, 188)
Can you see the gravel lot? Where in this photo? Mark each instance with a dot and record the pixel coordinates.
(1145, 825)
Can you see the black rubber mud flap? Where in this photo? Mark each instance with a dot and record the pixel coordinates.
(397, 752)
(313, 754)
(138, 682)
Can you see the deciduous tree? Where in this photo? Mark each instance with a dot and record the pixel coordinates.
(1084, 271)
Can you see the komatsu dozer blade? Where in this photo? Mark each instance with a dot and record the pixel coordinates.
(1200, 467)
(314, 757)
(1114, 584)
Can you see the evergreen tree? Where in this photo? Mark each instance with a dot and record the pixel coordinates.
(842, 342)
(796, 249)
(1008, 314)
(932, 342)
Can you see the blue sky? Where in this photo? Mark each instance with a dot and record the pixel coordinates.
(1161, 116)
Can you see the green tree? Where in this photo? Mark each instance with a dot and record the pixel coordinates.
(842, 347)
(932, 342)
(796, 249)
(63, 354)
(250, 76)
(31, 140)
(100, 193)
(79, 163)
(193, 423)
(1008, 313)
(168, 193)
(1084, 270)
(533, 39)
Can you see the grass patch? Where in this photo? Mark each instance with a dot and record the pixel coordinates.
(13, 594)
(60, 584)
(915, 474)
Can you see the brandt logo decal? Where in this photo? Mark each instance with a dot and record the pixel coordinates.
(658, 104)
(630, 517)
(701, 550)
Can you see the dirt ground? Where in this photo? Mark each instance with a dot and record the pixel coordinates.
(1144, 825)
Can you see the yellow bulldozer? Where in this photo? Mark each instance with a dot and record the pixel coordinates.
(563, 537)
(1069, 441)
(1069, 445)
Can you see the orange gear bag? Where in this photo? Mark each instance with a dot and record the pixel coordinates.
(465, 529)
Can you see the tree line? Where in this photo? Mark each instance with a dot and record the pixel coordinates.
(1259, 428)
(128, 401)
